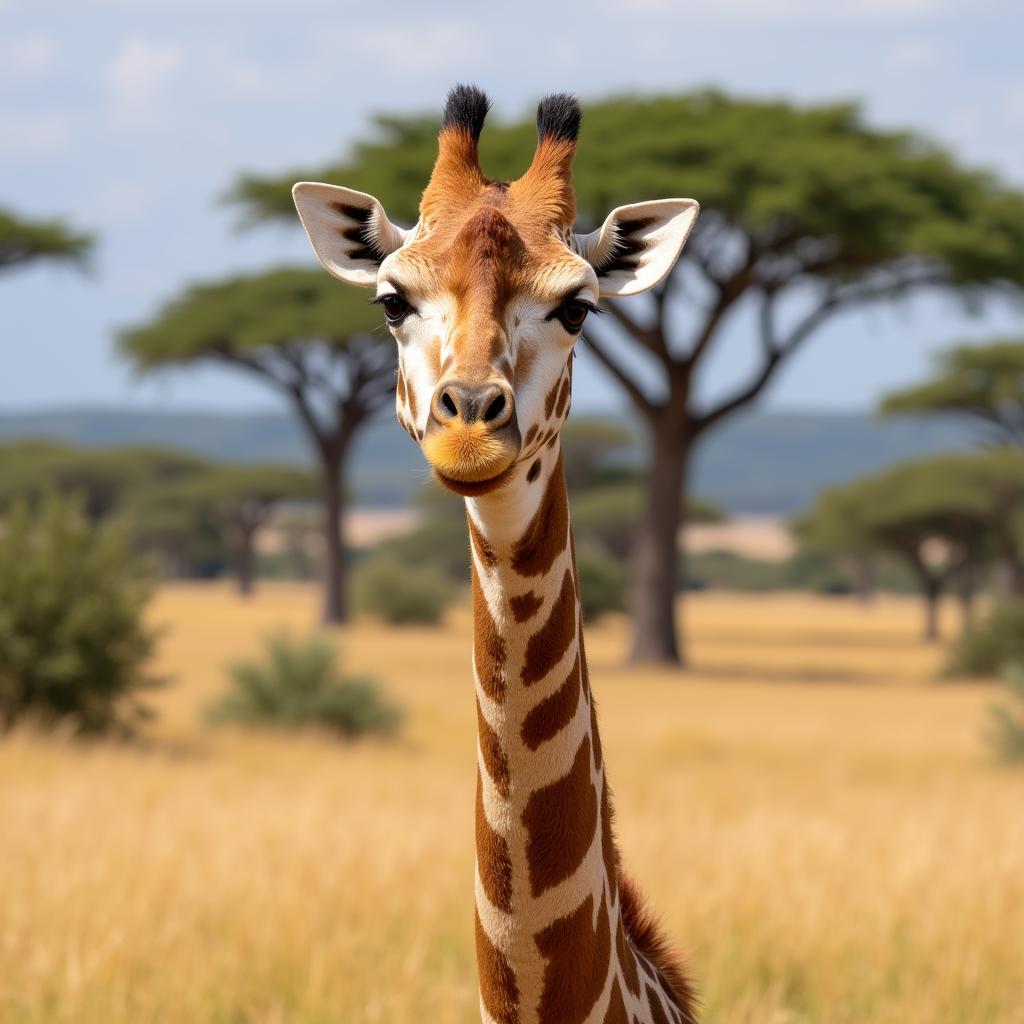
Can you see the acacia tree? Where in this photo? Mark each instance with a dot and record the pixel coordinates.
(807, 212)
(925, 514)
(982, 383)
(240, 500)
(24, 241)
(311, 341)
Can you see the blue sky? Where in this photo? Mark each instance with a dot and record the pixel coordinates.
(131, 118)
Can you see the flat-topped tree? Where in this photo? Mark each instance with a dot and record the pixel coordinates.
(806, 212)
(944, 517)
(312, 342)
(24, 241)
(240, 499)
(983, 384)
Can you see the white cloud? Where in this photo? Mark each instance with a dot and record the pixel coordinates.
(136, 77)
(27, 57)
(33, 135)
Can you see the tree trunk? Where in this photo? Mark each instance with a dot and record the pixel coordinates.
(932, 593)
(968, 588)
(246, 568)
(864, 578)
(335, 608)
(656, 557)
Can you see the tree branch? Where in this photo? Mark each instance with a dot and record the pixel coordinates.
(640, 400)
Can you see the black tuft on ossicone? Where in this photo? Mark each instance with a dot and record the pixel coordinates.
(559, 117)
(466, 107)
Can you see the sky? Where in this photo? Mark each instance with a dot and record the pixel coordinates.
(131, 119)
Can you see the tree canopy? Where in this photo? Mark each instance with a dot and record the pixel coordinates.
(319, 344)
(24, 241)
(806, 211)
(984, 383)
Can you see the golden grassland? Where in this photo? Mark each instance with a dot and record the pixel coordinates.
(816, 819)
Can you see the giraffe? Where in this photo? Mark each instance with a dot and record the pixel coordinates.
(487, 295)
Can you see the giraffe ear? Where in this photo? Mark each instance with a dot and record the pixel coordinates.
(349, 231)
(638, 245)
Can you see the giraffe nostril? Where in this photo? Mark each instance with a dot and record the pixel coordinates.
(449, 404)
(495, 409)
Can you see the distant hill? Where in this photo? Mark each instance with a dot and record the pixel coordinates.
(763, 463)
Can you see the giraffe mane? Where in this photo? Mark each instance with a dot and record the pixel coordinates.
(646, 937)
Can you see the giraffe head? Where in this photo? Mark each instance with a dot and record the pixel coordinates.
(488, 292)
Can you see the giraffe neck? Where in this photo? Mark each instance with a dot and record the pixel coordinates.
(551, 945)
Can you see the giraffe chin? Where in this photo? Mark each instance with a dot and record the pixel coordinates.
(474, 488)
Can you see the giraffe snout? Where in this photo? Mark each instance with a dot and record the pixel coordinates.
(455, 402)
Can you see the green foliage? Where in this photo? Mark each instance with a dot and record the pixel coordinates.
(602, 584)
(1006, 735)
(73, 642)
(590, 447)
(25, 241)
(993, 645)
(775, 171)
(297, 686)
(246, 319)
(983, 382)
(402, 592)
(103, 477)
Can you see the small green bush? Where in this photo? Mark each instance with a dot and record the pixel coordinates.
(602, 584)
(1007, 726)
(73, 643)
(400, 591)
(298, 685)
(992, 645)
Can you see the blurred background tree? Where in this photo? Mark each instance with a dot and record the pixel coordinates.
(24, 241)
(319, 345)
(74, 645)
(807, 212)
(981, 383)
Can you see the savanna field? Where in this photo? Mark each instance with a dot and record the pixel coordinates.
(817, 820)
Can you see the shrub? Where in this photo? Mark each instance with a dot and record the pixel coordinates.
(1007, 731)
(298, 685)
(73, 643)
(602, 584)
(400, 591)
(992, 645)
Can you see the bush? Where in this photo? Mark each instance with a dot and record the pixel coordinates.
(1007, 732)
(602, 584)
(992, 645)
(400, 591)
(298, 685)
(73, 644)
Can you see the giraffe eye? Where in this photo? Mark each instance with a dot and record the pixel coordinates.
(572, 313)
(396, 309)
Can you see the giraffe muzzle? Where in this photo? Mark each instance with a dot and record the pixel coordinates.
(472, 436)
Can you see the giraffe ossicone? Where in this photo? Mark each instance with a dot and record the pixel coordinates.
(486, 296)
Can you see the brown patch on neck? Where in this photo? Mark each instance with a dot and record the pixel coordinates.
(548, 532)
(483, 550)
(525, 606)
(489, 650)
(560, 821)
(493, 861)
(616, 1013)
(494, 757)
(498, 990)
(550, 716)
(578, 955)
(546, 647)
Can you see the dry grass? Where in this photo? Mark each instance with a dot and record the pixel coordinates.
(817, 820)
